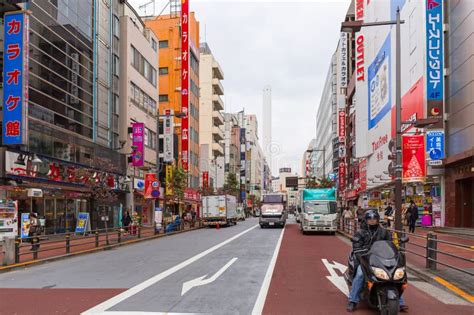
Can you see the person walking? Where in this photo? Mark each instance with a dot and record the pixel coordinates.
(126, 220)
(412, 216)
(389, 214)
(34, 230)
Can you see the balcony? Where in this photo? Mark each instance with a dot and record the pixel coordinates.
(217, 133)
(217, 71)
(217, 87)
(217, 149)
(217, 102)
(217, 118)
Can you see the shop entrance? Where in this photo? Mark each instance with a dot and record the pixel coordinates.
(465, 202)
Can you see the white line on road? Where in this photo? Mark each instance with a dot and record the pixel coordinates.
(262, 295)
(188, 285)
(144, 313)
(102, 307)
(338, 281)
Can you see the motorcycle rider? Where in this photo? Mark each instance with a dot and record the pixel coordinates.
(370, 232)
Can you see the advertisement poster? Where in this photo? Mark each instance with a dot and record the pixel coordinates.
(15, 77)
(8, 219)
(158, 218)
(436, 203)
(25, 225)
(82, 222)
(185, 82)
(413, 158)
(138, 134)
(435, 147)
(379, 85)
(152, 187)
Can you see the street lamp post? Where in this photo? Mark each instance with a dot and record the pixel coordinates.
(355, 26)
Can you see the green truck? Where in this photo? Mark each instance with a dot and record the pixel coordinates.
(317, 210)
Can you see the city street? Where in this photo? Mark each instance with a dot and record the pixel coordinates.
(223, 271)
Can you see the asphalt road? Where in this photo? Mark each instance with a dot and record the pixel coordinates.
(240, 269)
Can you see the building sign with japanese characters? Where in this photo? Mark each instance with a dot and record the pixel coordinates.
(342, 126)
(168, 143)
(185, 83)
(435, 147)
(434, 59)
(342, 64)
(15, 78)
(138, 134)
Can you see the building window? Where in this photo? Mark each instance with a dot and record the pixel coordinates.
(163, 43)
(116, 26)
(116, 65)
(154, 45)
(142, 100)
(163, 71)
(143, 66)
(163, 98)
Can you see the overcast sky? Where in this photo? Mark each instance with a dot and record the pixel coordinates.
(285, 44)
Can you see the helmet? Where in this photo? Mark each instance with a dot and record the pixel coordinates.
(371, 215)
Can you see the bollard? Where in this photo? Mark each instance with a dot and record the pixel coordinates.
(68, 243)
(431, 254)
(119, 236)
(17, 249)
(154, 228)
(96, 238)
(35, 248)
(139, 232)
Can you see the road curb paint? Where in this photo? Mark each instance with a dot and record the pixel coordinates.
(262, 295)
(455, 289)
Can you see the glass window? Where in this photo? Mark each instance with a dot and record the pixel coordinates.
(154, 45)
(163, 44)
(163, 98)
(116, 62)
(163, 70)
(116, 26)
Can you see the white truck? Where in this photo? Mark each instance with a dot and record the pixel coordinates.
(219, 210)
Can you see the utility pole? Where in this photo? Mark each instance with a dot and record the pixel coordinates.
(398, 122)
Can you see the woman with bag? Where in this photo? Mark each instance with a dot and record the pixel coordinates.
(34, 231)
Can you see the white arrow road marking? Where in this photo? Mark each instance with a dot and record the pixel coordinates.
(188, 285)
(337, 280)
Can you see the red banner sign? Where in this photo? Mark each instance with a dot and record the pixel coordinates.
(413, 158)
(342, 126)
(205, 179)
(191, 195)
(152, 187)
(185, 82)
(342, 176)
(363, 175)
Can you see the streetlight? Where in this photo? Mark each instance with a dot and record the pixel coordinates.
(355, 26)
(324, 158)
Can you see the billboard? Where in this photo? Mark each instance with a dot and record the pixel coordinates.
(413, 158)
(435, 147)
(185, 82)
(138, 154)
(15, 78)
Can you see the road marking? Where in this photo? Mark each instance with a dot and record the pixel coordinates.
(439, 293)
(188, 285)
(262, 295)
(455, 289)
(102, 307)
(145, 313)
(337, 280)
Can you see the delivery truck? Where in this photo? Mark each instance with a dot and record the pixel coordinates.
(317, 210)
(219, 210)
(273, 211)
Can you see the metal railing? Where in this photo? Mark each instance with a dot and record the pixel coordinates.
(433, 250)
(42, 247)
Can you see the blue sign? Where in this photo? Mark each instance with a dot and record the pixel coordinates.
(15, 71)
(434, 50)
(25, 225)
(82, 222)
(380, 91)
(435, 145)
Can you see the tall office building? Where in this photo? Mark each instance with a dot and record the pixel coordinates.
(267, 124)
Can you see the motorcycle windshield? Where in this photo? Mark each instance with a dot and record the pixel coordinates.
(384, 249)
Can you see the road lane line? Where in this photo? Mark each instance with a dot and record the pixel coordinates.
(102, 307)
(262, 295)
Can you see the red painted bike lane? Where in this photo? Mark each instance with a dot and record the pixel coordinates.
(300, 286)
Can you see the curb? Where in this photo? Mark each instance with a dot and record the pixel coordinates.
(4, 269)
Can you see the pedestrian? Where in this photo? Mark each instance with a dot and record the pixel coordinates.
(412, 216)
(360, 214)
(389, 214)
(126, 220)
(34, 230)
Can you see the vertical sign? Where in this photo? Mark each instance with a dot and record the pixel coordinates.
(434, 60)
(15, 78)
(168, 142)
(205, 179)
(168, 177)
(342, 126)
(152, 187)
(413, 158)
(185, 82)
(342, 176)
(138, 155)
(435, 147)
(363, 174)
(342, 61)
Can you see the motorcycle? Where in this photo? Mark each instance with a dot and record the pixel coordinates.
(384, 269)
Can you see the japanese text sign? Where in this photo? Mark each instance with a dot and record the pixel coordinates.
(435, 146)
(185, 82)
(138, 133)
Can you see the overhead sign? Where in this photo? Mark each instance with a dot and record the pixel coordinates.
(434, 60)
(15, 78)
(185, 83)
(435, 147)
(168, 141)
(413, 158)
(379, 85)
(138, 133)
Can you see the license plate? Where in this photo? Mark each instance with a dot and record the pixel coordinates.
(316, 217)
(271, 223)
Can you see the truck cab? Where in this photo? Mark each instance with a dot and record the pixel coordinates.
(272, 211)
(318, 210)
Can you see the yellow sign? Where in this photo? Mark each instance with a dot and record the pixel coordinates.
(168, 176)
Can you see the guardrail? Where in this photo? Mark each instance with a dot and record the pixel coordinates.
(434, 251)
(51, 246)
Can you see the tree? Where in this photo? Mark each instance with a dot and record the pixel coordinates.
(319, 183)
(177, 183)
(231, 186)
(207, 191)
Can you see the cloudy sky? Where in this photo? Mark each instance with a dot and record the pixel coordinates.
(285, 44)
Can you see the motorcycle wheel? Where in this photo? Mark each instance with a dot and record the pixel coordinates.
(391, 308)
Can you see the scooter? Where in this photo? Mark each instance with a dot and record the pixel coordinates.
(384, 269)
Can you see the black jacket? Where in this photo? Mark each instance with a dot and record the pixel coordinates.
(365, 237)
(413, 213)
